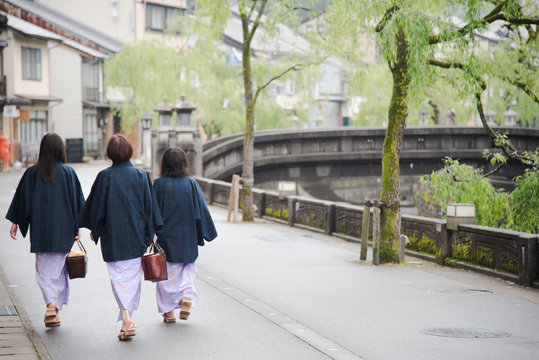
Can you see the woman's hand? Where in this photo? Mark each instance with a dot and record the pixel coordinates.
(13, 231)
(154, 239)
(77, 238)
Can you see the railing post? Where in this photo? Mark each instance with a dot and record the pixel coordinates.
(261, 204)
(330, 219)
(527, 263)
(365, 229)
(233, 202)
(291, 210)
(376, 233)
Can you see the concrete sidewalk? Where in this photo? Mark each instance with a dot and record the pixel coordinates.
(18, 340)
(270, 291)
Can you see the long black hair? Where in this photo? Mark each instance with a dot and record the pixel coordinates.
(52, 149)
(175, 163)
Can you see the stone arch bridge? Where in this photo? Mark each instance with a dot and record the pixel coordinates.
(356, 151)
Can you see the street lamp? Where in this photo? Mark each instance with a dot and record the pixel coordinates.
(184, 109)
(423, 113)
(146, 121)
(489, 116)
(165, 113)
(510, 117)
(459, 213)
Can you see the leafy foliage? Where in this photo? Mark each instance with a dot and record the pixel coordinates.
(525, 202)
(460, 183)
(197, 66)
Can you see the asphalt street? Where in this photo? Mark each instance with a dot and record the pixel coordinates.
(269, 291)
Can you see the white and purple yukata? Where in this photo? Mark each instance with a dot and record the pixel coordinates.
(48, 210)
(180, 283)
(186, 224)
(125, 279)
(122, 213)
(51, 276)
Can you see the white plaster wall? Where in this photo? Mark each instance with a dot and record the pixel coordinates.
(28, 87)
(113, 18)
(123, 20)
(66, 83)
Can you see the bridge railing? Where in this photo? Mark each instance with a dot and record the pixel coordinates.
(506, 254)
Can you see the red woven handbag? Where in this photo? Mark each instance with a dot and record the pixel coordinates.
(154, 264)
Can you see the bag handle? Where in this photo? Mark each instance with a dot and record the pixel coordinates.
(81, 247)
(155, 246)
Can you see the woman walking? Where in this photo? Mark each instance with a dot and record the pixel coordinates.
(186, 223)
(121, 210)
(48, 199)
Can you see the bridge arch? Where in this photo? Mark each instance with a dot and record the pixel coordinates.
(356, 151)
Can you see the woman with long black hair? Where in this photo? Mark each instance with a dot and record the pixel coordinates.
(186, 224)
(47, 200)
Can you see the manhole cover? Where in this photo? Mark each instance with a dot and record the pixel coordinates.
(461, 291)
(466, 333)
(475, 291)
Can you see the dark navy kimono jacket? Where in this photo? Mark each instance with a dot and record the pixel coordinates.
(187, 220)
(49, 209)
(122, 211)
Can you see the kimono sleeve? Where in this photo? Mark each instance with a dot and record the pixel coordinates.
(94, 211)
(77, 197)
(154, 220)
(19, 210)
(205, 226)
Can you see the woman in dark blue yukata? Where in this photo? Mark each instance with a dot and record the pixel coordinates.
(186, 223)
(121, 210)
(48, 199)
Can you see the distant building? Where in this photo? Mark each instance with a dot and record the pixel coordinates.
(52, 71)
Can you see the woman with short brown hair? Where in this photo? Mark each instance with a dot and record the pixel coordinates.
(121, 210)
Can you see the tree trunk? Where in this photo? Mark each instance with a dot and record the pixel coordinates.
(248, 139)
(398, 111)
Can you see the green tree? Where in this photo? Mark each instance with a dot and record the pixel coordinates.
(415, 38)
(253, 15)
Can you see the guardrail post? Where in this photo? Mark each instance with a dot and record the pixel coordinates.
(376, 235)
(527, 263)
(233, 202)
(261, 204)
(365, 229)
(330, 219)
(291, 210)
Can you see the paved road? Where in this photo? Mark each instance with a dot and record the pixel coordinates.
(268, 291)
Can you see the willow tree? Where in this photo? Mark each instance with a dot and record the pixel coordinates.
(417, 37)
(253, 15)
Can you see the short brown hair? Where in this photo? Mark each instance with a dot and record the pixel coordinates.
(119, 149)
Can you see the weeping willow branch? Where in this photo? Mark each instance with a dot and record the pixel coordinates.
(295, 67)
(385, 19)
(497, 139)
(495, 15)
(522, 86)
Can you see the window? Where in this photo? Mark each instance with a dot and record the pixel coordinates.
(91, 134)
(31, 133)
(31, 63)
(161, 17)
(91, 71)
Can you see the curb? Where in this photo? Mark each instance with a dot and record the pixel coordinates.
(25, 324)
